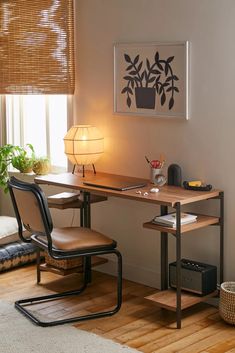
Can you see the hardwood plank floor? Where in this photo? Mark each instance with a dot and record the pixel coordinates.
(139, 324)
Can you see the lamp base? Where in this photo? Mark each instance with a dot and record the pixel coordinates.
(83, 169)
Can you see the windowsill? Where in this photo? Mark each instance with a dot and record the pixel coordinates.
(23, 176)
(32, 175)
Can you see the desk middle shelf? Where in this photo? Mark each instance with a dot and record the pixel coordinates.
(201, 222)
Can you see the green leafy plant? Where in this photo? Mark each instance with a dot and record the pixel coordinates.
(21, 158)
(6, 153)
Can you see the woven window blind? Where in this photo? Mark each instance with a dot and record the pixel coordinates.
(36, 47)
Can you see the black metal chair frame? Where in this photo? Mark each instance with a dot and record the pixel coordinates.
(59, 255)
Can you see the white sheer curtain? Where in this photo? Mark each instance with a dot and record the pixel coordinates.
(41, 120)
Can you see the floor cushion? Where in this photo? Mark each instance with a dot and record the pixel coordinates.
(13, 252)
(8, 230)
(16, 254)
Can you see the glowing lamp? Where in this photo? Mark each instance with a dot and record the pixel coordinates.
(84, 145)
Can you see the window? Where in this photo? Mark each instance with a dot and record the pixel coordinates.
(37, 71)
(40, 120)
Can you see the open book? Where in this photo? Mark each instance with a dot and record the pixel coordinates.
(169, 220)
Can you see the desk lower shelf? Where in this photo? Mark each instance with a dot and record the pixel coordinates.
(167, 299)
(201, 222)
(95, 261)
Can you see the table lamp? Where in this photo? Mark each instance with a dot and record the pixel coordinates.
(83, 146)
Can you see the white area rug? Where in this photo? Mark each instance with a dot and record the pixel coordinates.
(19, 335)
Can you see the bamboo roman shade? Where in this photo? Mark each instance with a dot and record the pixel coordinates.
(36, 47)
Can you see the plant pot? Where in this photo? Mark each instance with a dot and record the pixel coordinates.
(145, 97)
(41, 167)
(26, 170)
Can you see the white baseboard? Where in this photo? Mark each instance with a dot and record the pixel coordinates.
(133, 273)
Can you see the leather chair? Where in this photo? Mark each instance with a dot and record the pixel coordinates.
(31, 210)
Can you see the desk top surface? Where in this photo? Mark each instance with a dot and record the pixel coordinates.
(168, 195)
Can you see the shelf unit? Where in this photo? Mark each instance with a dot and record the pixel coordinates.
(178, 300)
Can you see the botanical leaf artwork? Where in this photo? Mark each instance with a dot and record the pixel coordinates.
(146, 80)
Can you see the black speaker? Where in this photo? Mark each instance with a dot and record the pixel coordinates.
(174, 175)
(196, 277)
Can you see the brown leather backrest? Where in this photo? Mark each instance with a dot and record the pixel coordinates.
(29, 210)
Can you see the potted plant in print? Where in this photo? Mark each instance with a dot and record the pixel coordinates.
(145, 80)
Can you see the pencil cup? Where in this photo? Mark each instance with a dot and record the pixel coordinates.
(153, 173)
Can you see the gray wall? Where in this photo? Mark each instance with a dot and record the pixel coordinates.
(202, 146)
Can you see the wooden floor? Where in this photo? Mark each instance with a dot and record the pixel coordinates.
(139, 324)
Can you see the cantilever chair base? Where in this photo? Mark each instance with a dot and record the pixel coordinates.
(21, 304)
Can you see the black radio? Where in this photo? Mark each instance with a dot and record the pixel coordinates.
(196, 277)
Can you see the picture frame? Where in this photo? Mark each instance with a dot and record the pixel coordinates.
(151, 79)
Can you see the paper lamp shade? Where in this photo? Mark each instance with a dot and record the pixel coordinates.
(83, 144)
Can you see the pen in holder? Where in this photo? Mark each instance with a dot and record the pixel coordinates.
(156, 176)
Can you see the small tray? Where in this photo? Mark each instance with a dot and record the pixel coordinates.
(207, 187)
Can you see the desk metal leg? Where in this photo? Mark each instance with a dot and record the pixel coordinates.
(82, 215)
(164, 254)
(87, 224)
(38, 259)
(87, 209)
(178, 265)
(221, 197)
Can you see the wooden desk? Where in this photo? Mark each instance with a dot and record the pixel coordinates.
(169, 196)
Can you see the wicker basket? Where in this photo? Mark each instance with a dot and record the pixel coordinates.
(227, 302)
(63, 264)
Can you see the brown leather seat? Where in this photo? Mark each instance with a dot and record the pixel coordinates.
(32, 211)
(73, 239)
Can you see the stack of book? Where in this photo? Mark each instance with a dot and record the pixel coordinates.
(62, 198)
(169, 220)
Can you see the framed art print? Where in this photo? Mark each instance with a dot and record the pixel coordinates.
(151, 79)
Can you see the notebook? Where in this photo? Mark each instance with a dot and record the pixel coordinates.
(120, 184)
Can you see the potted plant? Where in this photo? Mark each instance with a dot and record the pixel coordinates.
(157, 78)
(41, 165)
(21, 158)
